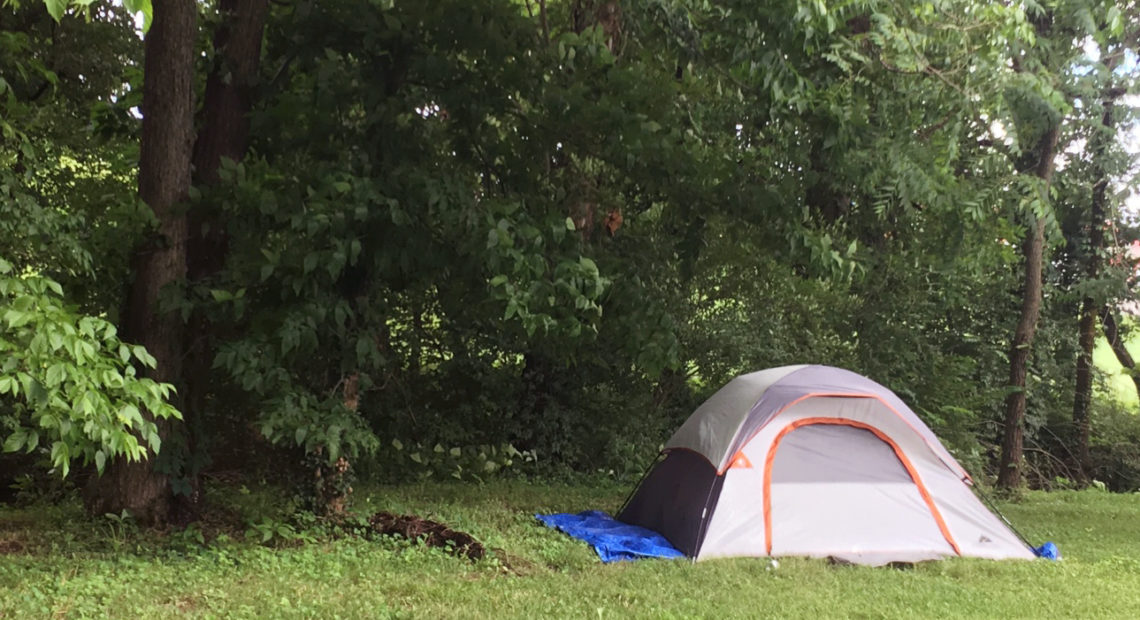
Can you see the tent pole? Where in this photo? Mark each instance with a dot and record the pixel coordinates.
(704, 518)
(640, 481)
(994, 508)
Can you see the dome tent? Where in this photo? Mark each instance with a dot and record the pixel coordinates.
(814, 461)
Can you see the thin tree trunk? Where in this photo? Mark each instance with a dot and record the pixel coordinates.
(1112, 334)
(1083, 395)
(224, 133)
(1033, 249)
(164, 182)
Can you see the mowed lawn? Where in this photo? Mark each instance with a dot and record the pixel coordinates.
(54, 563)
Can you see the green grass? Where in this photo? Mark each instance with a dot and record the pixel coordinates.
(68, 566)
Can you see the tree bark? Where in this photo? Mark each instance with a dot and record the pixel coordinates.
(1033, 249)
(224, 130)
(1082, 396)
(223, 133)
(1083, 393)
(164, 183)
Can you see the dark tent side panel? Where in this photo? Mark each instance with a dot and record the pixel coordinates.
(673, 497)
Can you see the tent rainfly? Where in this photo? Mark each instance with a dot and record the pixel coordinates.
(814, 461)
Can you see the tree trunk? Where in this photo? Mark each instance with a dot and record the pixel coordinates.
(1033, 248)
(164, 182)
(1112, 334)
(1089, 306)
(1082, 397)
(605, 13)
(224, 133)
(224, 128)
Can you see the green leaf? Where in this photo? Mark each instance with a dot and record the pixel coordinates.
(56, 8)
(16, 318)
(55, 375)
(141, 6)
(129, 415)
(32, 441)
(100, 460)
(141, 355)
(60, 454)
(15, 441)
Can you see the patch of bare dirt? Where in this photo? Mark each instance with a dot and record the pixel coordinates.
(11, 547)
(432, 533)
(516, 564)
(217, 520)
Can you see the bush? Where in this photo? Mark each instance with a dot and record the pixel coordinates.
(1115, 449)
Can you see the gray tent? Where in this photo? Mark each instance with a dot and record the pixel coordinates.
(814, 461)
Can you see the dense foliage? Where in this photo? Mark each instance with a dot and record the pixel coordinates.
(462, 234)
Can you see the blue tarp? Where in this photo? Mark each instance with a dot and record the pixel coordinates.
(613, 540)
(1049, 551)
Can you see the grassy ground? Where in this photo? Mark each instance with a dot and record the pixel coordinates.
(54, 563)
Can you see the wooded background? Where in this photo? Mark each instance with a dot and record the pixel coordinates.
(398, 239)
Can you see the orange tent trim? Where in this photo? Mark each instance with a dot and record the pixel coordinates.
(740, 461)
(910, 470)
(965, 475)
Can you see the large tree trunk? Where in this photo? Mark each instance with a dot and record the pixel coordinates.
(1089, 306)
(164, 182)
(223, 133)
(1033, 249)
